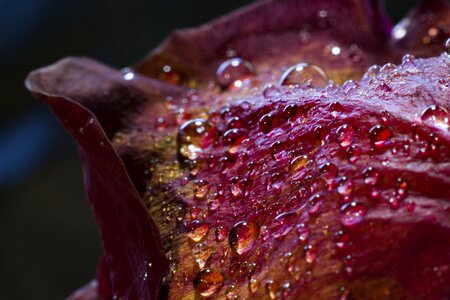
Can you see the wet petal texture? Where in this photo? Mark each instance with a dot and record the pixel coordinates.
(228, 157)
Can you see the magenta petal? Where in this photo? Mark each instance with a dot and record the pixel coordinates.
(131, 241)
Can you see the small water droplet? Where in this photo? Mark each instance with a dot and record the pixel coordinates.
(208, 282)
(310, 253)
(345, 135)
(200, 189)
(234, 73)
(283, 224)
(345, 187)
(408, 63)
(304, 74)
(232, 292)
(370, 176)
(201, 253)
(372, 71)
(328, 171)
(242, 236)
(303, 232)
(197, 230)
(336, 108)
(379, 135)
(436, 116)
(353, 213)
(388, 69)
(253, 285)
(127, 74)
(270, 91)
(353, 153)
(272, 289)
(268, 122)
(298, 163)
(234, 138)
(193, 136)
(221, 233)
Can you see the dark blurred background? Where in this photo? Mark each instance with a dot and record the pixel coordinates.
(49, 244)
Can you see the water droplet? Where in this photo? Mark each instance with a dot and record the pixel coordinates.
(298, 163)
(201, 253)
(232, 292)
(208, 282)
(234, 138)
(193, 136)
(272, 289)
(127, 74)
(293, 112)
(372, 71)
(436, 116)
(270, 91)
(283, 224)
(221, 233)
(170, 75)
(197, 230)
(345, 187)
(234, 73)
(304, 74)
(342, 240)
(200, 189)
(353, 153)
(243, 236)
(352, 88)
(345, 135)
(267, 123)
(353, 213)
(370, 176)
(379, 135)
(310, 253)
(253, 285)
(388, 68)
(303, 232)
(408, 63)
(328, 171)
(336, 108)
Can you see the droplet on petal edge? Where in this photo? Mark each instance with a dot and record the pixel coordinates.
(436, 116)
(304, 75)
(234, 73)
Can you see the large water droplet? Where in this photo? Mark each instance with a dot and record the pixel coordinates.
(208, 282)
(243, 236)
(197, 230)
(353, 213)
(193, 136)
(304, 74)
(379, 135)
(436, 116)
(345, 135)
(234, 73)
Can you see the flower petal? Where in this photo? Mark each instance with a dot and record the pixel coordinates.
(131, 241)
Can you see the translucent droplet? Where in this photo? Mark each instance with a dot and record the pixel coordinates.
(193, 136)
(201, 253)
(310, 253)
(298, 163)
(408, 63)
(270, 91)
(200, 189)
(197, 230)
(283, 224)
(328, 171)
(345, 135)
(128, 74)
(233, 138)
(253, 285)
(208, 282)
(379, 135)
(388, 68)
(353, 213)
(268, 122)
(304, 75)
(436, 116)
(221, 233)
(353, 153)
(372, 71)
(345, 186)
(370, 176)
(272, 289)
(336, 108)
(242, 236)
(232, 292)
(303, 232)
(234, 73)
(352, 88)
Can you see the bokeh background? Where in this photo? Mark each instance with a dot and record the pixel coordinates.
(49, 245)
